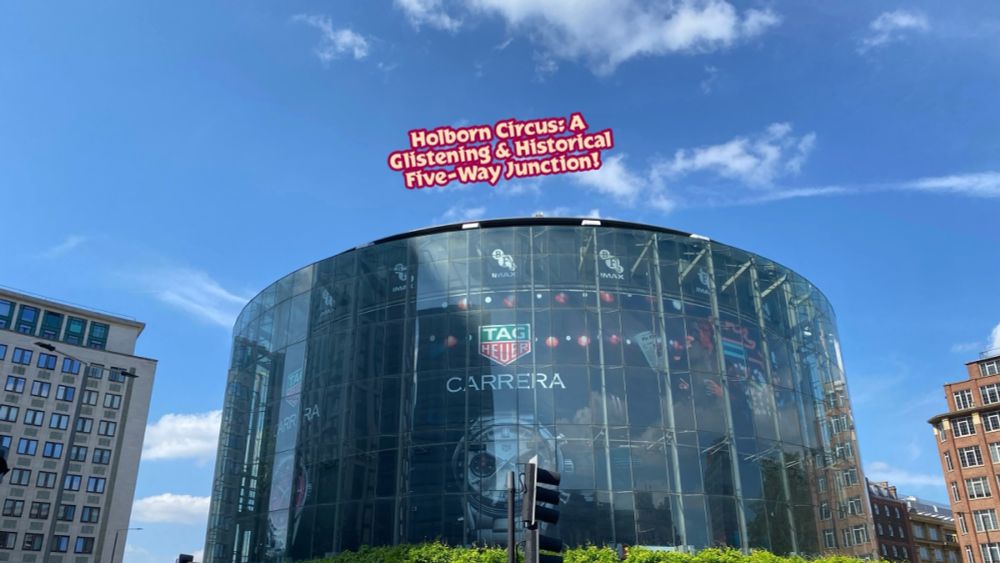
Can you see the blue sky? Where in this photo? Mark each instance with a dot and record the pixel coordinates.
(168, 160)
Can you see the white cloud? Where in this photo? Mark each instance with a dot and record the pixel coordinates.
(183, 436)
(994, 343)
(882, 471)
(985, 184)
(614, 179)
(606, 34)
(965, 347)
(459, 212)
(171, 508)
(430, 13)
(194, 292)
(334, 43)
(890, 26)
(711, 73)
(70, 243)
(756, 161)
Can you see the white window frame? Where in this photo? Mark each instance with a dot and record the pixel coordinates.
(964, 399)
(947, 461)
(977, 487)
(962, 426)
(970, 456)
(985, 520)
(990, 394)
(991, 421)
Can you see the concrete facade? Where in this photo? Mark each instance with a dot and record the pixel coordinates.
(72, 417)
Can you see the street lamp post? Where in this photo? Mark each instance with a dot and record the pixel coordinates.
(77, 398)
(114, 546)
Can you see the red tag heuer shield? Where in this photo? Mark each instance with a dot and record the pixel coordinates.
(504, 343)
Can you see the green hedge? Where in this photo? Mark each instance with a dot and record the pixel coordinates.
(440, 553)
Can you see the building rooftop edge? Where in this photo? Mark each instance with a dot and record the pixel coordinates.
(21, 295)
(526, 221)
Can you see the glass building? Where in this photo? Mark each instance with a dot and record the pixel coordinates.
(690, 393)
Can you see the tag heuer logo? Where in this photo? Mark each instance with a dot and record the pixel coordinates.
(504, 343)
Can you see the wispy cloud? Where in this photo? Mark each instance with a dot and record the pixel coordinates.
(334, 43)
(171, 508)
(183, 436)
(882, 471)
(606, 34)
(69, 244)
(459, 212)
(985, 184)
(965, 347)
(430, 13)
(893, 26)
(194, 292)
(711, 73)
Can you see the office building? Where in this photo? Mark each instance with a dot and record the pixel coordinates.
(72, 419)
(891, 516)
(691, 394)
(933, 531)
(969, 445)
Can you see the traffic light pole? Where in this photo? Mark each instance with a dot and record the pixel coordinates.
(511, 535)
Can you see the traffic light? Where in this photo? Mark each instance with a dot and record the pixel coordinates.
(532, 513)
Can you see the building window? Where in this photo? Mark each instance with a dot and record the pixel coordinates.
(116, 374)
(53, 450)
(40, 388)
(96, 484)
(924, 553)
(60, 421)
(854, 506)
(895, 551)
(903, 554)
(27, 446)
(84, 545)
(21, 356)
(995, 451)
(918, 529)
(60, 544)
(3, 351)
(821, 483)
(878, 529)
(824, 511)
(977, 487)
(13, 508)
(98, 337)
(829, 538)
(78, 453)
(33, 417)
(8, 540)
(970, 456)
(89, 397)
(27, 318)
(102, 456)
(991, 421)
(968, 554)
(112, 401)
(51, 325)
(947, 461)
(95, 370)
(46, 361)
(90, 514)
(985, 520)
(991, 552)
(963, 399)
(65, 393)
(892, 533)
(72, 482)
(962, 525)
(66, 512)
(14, 384)
(860, 533)
(39, 510)
(850, 476)
(9, 413)
(932, 532)
(6, 313)
(885, 552)
(990, 393)
(847, 537)
(32, 542)
(107, 428)
(962, 426)
(84, 425)
(74, 331)
(991, 367)
(46, 480)
(71, 366)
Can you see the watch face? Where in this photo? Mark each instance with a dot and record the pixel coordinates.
(491, 450)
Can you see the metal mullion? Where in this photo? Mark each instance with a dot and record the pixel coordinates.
(773, 404)
(682, 527)
(730, 431)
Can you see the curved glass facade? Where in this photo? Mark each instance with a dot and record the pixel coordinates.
(690, 393)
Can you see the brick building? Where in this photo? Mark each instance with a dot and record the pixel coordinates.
(968, 438)
(892, 523)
